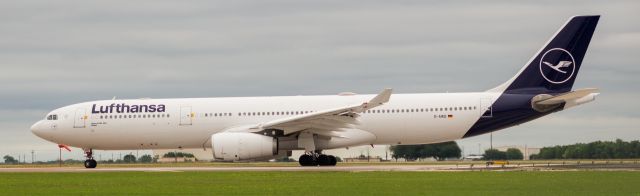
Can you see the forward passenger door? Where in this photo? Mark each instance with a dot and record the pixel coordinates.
(186, 116)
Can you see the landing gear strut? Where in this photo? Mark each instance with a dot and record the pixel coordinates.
(317, 159)
(90, 162)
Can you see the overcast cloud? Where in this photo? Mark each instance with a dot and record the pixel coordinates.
(56, 53)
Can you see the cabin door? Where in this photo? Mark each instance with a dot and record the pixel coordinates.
(485, 108)
(186, 116)
(80, 119)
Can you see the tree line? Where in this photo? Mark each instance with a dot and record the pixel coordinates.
(8, 159)
(448, 150)
(438, 151)
(510, 154)
(178, 154)
(594, 150)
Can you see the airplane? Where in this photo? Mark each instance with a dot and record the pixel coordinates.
(263, 128)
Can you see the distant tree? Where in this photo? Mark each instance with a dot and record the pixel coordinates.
(494, 154)
(408, 152)
(438, 151)
(129, 158)
(146, 159)
(514, 154)
(169, 155)
(177, 154)
(9, 160)
(447, 150)
(555, 152)
(189, 155)
(426, 151)
(617, 149)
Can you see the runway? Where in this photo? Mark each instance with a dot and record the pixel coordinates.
(185, 169)
(341, 168)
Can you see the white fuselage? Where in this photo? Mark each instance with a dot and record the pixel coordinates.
(189, 123)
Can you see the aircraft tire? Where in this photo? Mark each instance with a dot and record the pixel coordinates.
(332, 160)
(324, 160)
(90, 163)
(306, 160)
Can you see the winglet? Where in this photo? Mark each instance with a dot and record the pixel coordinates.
(381, 98)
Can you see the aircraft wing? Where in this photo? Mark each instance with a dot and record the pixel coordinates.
(325, 121)
(565, 97)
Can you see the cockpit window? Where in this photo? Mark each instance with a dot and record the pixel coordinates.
(52, 117)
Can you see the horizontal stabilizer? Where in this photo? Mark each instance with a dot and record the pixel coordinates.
(565, 97)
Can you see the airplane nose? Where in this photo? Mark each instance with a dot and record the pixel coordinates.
(45, 130)
(37, 129)
(34, 128)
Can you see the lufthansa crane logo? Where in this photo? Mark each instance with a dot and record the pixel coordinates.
(557, 65)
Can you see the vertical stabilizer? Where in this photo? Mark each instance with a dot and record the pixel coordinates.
(554, 68)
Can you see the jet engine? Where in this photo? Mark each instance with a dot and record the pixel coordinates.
(238, 146)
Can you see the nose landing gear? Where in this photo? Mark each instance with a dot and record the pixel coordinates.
(90, 162)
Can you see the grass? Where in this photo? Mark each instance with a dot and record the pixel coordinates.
(322, 183)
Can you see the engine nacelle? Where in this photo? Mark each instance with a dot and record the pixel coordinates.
(236, 146)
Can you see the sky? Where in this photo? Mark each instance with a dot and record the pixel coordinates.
(56, 53)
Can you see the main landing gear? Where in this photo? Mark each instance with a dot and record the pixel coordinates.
(90, 162)
(317, 159)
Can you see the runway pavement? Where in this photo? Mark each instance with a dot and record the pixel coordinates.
(180, 169)
(343, 168)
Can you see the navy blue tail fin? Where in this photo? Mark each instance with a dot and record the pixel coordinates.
(555, 67)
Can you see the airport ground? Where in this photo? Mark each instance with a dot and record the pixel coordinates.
(611, 164)
(565, 177)
(322, 183)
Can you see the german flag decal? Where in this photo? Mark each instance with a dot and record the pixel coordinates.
(450, 116)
